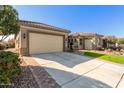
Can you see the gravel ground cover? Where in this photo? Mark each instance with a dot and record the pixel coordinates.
(25, 79)
(42, 77)
(33, 76)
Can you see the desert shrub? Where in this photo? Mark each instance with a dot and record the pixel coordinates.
(2, 47)
(10, 45)
(121, 40)
(122, 46)
(9, 66)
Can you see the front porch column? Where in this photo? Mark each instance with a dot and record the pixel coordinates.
(83, 44)
(78, 41)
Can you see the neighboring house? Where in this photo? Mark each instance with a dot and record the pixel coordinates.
(35, 38)
(85, 40)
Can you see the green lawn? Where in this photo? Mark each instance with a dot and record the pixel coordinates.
(113, 58)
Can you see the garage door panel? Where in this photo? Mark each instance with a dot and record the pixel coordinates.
(44, 43)
(88, 44)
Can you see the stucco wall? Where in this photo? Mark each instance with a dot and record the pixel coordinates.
(24, 48)
(93, 39)
(18, 41)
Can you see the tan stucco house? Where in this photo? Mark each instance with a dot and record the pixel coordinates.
(85, 40)
(35, 38)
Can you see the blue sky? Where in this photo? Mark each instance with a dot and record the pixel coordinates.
(104, 20)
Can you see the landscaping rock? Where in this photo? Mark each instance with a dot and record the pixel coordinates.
(25, 79)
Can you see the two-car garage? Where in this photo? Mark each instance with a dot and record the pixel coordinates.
(45, 43)
(35, 38)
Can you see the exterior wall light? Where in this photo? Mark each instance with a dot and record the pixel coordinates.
(24, 36)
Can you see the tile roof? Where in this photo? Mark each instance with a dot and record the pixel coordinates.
(42, 25)
(85, 34)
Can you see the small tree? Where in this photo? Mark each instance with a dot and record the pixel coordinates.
(9, 21)
(121, 40)
(112, 39)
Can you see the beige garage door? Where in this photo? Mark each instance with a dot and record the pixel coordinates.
(88, 44)
(45, 43)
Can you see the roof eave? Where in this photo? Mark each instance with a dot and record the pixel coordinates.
(27, 23)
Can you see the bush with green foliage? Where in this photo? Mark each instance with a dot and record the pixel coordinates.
(9, 66)
(121, 40)
(9, 21)
(111, 39)
(122, 46)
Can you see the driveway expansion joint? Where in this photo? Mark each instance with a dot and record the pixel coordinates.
(120, 80)
(69, 70)
(94, 68)
(82, 74)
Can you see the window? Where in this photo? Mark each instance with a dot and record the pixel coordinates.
(75, 40)
(72, 40)
(81, 41)
(68, 40)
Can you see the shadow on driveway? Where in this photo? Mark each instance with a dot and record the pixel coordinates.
(65, 79)
(67, 59)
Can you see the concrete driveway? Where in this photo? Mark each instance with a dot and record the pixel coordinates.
(75, 71)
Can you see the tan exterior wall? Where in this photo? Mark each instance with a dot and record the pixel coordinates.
(18, 42)
(81, 46)
(24, 42)
(96, 41)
